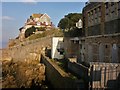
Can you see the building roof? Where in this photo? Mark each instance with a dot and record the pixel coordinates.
(31, 21)
(37, 15)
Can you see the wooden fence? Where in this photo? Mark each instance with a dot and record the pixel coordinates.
(105, 76)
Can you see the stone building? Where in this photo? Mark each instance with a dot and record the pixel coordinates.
(101, 23)
(100, 47)
(71, 47)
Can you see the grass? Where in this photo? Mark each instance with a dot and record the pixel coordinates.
(63, 65)
(54, 32)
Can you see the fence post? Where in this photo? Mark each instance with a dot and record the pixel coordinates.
(117, 78)
(91, 78)
(105, 78)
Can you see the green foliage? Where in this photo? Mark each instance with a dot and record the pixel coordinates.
(69, 21)
(32, 29)
(35, 36)
(31, 17)
(63, 24)
(73, 33)
(29, 31)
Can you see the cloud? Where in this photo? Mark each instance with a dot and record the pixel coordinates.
(7, 18)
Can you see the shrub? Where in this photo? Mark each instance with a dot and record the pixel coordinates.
(29, 31)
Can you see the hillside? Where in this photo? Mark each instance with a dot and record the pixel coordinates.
(21, 61)
(53, 32)
(34, 37)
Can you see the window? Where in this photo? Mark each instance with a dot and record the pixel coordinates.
(89, 18)
(119, 6)
(106, 5)
(112, 7)
(92, 15)
(112, 3)
(91, 12)
(106, 46)
(95, 10)
(88, 14)
(99, 11)
(46, 23)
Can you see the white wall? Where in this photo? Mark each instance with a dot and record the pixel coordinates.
(54, 52)
(79, 24)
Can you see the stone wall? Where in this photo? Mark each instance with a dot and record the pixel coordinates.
(57, 77)
(71, 47)
(102, 49)
(29, 49)
(111, 27)
(79, 69)
(94, 30)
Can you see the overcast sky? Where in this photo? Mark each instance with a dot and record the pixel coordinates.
(14, 14)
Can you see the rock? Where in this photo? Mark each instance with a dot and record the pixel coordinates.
(22, 74)
(28, 72)
(9, 82)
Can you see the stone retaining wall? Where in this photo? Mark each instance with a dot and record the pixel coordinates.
(58, 78)
(31, 50)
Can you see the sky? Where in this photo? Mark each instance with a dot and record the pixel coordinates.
(14, 14)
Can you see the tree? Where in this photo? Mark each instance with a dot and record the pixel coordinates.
(29, 31)
(63, 24)
(69, 21)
